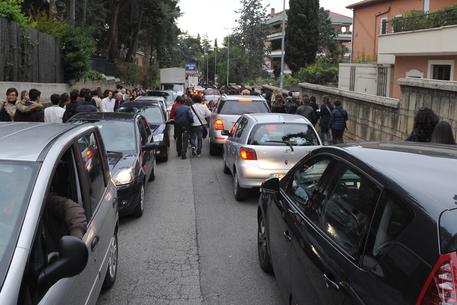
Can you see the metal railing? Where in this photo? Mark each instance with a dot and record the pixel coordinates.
(420, 21)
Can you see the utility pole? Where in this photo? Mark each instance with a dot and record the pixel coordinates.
(228, 60)
(283, 44)
(215, 65)
(207, 68)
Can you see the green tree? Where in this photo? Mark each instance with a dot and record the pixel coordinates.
(327, 43)
(302, 33)
(251, 34)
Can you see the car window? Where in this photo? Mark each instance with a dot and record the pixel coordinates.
(305, 180)
(274, 134)
(118, 136)
(239, 108)
(154, 115)
(241, 127)
(16, 184)
(348, 210)
(143, 131)
(93, 167)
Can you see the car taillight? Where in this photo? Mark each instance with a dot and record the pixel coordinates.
(441, 286)
(219, 125)
(247, 154)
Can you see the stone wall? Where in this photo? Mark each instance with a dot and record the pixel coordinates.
(375, 118)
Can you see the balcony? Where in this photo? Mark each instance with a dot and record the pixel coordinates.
(274, 36)
(275, 54)
(420, 34)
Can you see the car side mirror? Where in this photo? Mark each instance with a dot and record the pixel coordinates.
(270, 185)
(226, 133)
(150, 147)
(72, 260)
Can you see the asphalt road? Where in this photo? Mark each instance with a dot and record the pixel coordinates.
(194, 244)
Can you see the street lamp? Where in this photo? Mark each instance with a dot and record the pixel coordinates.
(283, 44)
(228, 56)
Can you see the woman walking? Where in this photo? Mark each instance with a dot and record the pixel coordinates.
(338, 121)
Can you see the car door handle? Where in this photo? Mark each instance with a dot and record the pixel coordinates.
(94, 242)
(287, 236)
(329, 283)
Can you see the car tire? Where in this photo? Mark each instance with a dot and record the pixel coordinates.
(111, 273)
(263, 248)
(139, 209)
(213, 149)
(164, 158)
(239, 192)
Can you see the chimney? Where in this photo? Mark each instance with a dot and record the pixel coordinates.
(272, 12)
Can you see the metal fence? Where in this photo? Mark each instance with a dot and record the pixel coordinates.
(28, 55)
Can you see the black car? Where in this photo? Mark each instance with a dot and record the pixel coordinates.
(367, 224)
(131, 155)
(157, 123)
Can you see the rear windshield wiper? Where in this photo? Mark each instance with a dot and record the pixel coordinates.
(114, 152)
(283, 142)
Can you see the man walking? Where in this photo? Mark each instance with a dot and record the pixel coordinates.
(325, 114)
(70, 110)
(200, 114)
(338, 123)
(183, 128)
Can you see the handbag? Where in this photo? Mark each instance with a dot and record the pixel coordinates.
(205, 131)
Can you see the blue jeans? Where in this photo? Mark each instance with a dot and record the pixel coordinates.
(196, 139)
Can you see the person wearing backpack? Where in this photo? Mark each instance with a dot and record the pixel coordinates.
(338, 121)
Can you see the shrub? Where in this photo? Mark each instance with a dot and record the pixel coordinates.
(92, 75)
(318, 73)
(51, 25)
(11, 10)
(77, 47)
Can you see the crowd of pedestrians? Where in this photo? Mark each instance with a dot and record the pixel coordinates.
(330, 117)
(28, 106)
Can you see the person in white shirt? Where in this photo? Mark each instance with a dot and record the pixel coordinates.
(108, 102)
(200, 113)
(54, 114)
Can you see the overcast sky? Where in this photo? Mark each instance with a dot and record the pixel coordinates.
(211, 17)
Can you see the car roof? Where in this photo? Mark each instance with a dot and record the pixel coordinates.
(149, 98)
(425, 172)
(26, 141)
(142, 104)
(261, 118)
(104, 116)
(232, 98)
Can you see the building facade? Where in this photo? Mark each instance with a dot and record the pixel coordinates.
(342, 25)
(406, 38)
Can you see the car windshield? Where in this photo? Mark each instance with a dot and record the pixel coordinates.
(118, 136)
(279, 134)
(154, 115)
(16, 182)
(239, 108)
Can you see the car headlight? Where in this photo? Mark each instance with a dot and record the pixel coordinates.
(123, 176)
(158, 137)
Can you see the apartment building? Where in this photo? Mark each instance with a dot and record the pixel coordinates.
(403, 38)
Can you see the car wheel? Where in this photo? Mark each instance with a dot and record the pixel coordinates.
(263, 248)
(239, 192)
(213, 149)
(139, 209)
(111, 273)
(152, 177)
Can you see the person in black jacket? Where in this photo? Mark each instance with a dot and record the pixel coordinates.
(338, 121)
(183, 128)
(88, 105)
(425, 122)
(70, 109)
(325, 113)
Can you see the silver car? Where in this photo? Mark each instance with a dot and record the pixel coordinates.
(260, 146)
(42, 259)
(227, 112)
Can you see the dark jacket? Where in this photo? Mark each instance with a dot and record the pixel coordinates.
(291, 107)
(338, 118)
(4, 116)
(183, 116)
(308, 112)
(278, 109)
(325, 114)
(31, 116)
(70, 111)
(86, 107)
(67, 213)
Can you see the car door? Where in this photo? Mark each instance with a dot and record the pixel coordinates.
(236, 139)
(101, 196)
(147, 158)
(228, 147)
(302, 188)
(330, 232)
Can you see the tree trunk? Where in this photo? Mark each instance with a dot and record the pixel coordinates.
(52, 8)
(133, 45)
(113, 45)
(72, 11)
(84, 18)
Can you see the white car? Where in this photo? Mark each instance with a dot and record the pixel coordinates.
(263, 145)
